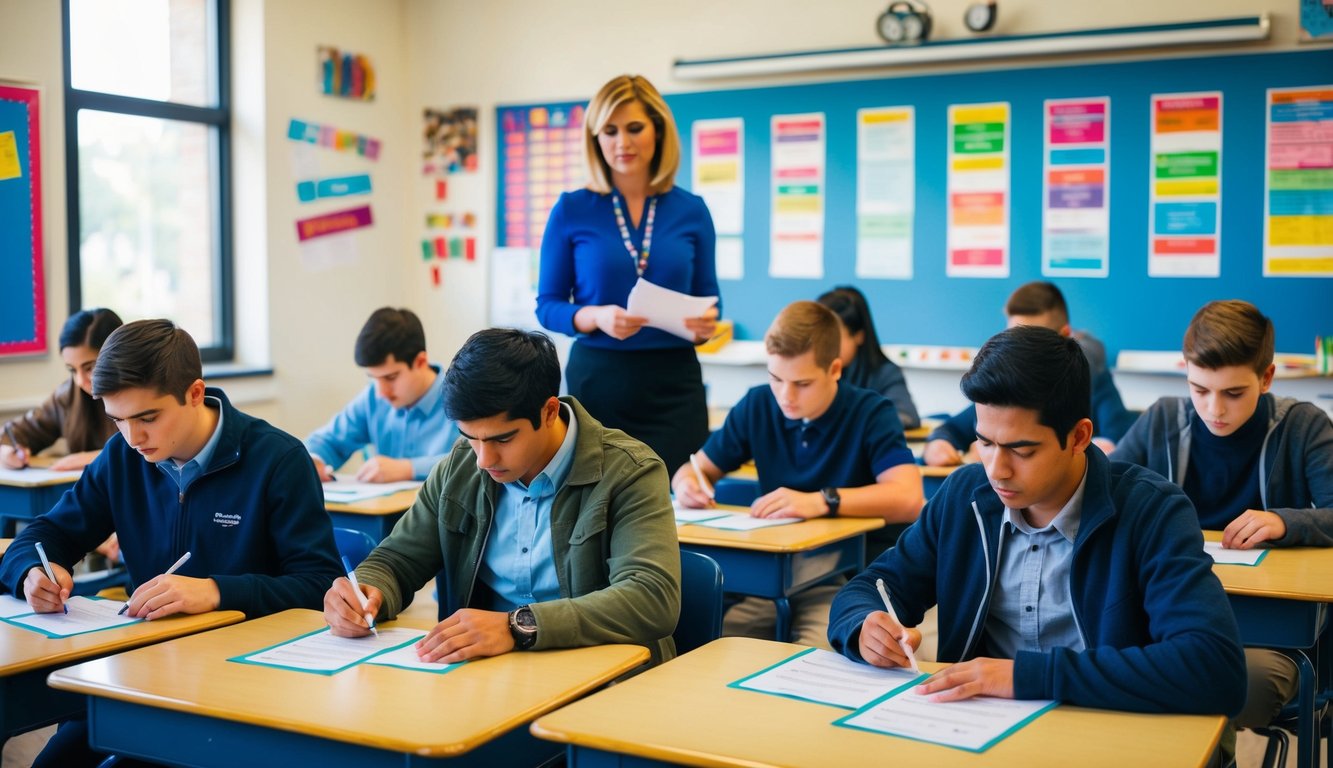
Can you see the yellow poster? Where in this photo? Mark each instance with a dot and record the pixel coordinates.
(9, 157)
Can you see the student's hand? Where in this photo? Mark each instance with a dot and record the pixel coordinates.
(1252, 527)
(74, 461)
(468, 634)
(110, 549)
(324, 471)
(43, 595)
(13, 458)
(343, 612)
(784, 502)
(881, 641)
(163, 596)
(703, 326)
(612, 320)
(382, 469)
(978, 677)
(686, 487)
(941, 453)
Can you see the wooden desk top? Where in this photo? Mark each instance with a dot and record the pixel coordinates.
(683, 712)
(4, 545)
(382, 707)
(1287, 573)
(797, 537)
(22, 650)
(380, 505)
(748, 471)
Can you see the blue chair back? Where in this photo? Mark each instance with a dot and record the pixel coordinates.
(737, 491)
(353, 544)
(700, 601)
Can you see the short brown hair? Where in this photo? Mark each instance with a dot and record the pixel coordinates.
(804, 326)
(1230, 332)
(1037, 298)
(148, 354)
(621, 90)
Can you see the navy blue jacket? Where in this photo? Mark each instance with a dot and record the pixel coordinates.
(1159, 632)
(254, 522)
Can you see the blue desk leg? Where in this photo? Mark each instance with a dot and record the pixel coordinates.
(783, 628)
(1307, 738)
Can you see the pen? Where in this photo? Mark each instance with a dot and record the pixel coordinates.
(174, 567)
(360, 596)
(18, 450)
(888, 608)
(50, 574)
(699, 476)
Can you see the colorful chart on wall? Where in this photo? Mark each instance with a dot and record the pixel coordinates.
(22, 291)
(1298, 183)
(541, 155)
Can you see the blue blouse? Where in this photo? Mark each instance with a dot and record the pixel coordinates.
(584, 261)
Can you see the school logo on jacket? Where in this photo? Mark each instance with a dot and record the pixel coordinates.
(226, 520)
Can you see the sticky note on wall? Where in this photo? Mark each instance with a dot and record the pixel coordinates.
(10, 168)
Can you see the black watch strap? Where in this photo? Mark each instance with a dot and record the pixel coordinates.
(523, 627)
(833, 499)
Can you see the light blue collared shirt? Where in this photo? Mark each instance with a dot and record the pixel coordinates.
(519, 563)
(1031, 609)
(192, 469)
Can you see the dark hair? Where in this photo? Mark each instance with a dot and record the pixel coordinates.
(1037, 298)
(849, 304)
(502, 371)
(153, 354)
(1226, 333)
(83, 425)
(1033, 367)
(390, 331)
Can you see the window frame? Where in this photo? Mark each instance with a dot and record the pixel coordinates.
(216, 117)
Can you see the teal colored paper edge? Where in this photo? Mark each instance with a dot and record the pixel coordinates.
(701, 519)
(243, 658)
(705, 523)
(52, 636)
(738, 684)
(842, 722)
(1254, 564)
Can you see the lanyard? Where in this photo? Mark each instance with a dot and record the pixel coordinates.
(640, 261)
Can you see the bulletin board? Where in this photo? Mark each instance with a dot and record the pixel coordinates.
(1127, 308)
(22, 293)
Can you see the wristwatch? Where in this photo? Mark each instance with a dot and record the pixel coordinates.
(523, 627)
(833, 499)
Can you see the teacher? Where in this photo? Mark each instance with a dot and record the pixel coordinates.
(631, 222)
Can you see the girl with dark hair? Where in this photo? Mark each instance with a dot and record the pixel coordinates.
(70, 412)
(864, 363)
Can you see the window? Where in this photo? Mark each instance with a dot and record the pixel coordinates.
(148, 163)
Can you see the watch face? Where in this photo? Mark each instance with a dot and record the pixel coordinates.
(912, 27)
(979, 16)
(891, 27)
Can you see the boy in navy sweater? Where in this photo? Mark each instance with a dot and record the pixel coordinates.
(1059, 574)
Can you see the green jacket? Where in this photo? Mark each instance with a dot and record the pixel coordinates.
(614, 541)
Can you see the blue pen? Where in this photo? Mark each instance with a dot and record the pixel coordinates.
(50, 574)
(360, 596)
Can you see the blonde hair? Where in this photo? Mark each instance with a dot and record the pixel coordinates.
(804, 326)
(622, 90)
(1227, 333)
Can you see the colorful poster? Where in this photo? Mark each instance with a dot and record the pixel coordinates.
(797, 245)
(978, 195)
(1076, 188)
(718, 171)
(1298, 183)
(1185, 185)
(885, 191)
(346, 74)
(333, 223)
(333, 138)
(449, 140)
(541, 157)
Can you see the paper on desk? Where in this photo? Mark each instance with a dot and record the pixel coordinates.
(1233, 556)
(735, 522)
(665, 308)
(35, 475)
(974, 724)
(688, 515)
(826, 677)
(86, 614)
(12, 606)
(324, 653)
(346, 490)
(406, 658)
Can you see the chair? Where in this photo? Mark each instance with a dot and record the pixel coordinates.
(737, 491)
(700, 601)
(1287, 722)
(353, 545)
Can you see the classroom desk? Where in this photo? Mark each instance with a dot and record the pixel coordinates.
(22, 500)
(1283, 603)
(208, 711)
(26, 658)
(775, 563)
(683, 713)
(4, 545)
(376, 516)
(931, 477)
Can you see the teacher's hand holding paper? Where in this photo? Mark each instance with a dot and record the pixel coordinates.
(693, 318)
(704, 326)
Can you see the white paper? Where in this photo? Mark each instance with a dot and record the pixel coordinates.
(734, 522)
(325, 652)
(12, 606)
(85, 615)
(689, 515)
(346, 490)
(729, 257)
(665, 308)
(406, 658)
(1232, 556)
(35, 475)
(969, 724)
(514, 288)
(830, 678)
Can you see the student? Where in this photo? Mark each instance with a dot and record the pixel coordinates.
(864, 363)
(399, 414)
(1058, 574)
(552, 531)
(822, 448)
(70, 412)
(187, 473)
(1257, 467)
(1040, 303)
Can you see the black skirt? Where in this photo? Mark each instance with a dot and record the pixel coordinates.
(653, 395)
